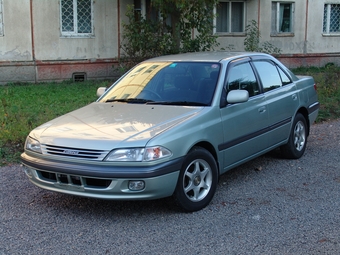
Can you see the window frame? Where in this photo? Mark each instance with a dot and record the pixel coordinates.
(144, 9)
(242, 85)
(327, 6)
(229, 17)
(74, 33)
(275, 20)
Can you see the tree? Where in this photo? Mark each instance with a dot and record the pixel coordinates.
(144, 37)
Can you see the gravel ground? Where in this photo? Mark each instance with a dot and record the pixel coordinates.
(267, 206)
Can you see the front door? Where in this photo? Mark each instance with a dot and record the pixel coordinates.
(244, 124)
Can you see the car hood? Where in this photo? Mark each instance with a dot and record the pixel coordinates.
(109, 125)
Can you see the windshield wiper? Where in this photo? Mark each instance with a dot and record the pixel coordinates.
(188, 103)
(130, 100)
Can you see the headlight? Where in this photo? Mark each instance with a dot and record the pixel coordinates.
(33, 145)
(138, 154)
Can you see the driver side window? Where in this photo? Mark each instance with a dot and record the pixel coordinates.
(242, 77)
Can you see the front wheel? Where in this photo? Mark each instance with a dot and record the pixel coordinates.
(197, 181)
(297, 141)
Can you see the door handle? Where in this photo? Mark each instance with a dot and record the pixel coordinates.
(262, 109)
(294, 96)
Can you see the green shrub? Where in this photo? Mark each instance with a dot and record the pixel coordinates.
(328, 87)
(252, 41)
(145, 37)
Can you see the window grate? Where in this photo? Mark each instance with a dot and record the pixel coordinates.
(331, 19)
(67, 16)
(76, 17)
(84, 17)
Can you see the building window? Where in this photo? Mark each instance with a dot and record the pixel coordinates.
(1, 20)
(331, 19)
(76, 18)
(282, 17)
(145, 9)
(230, 17)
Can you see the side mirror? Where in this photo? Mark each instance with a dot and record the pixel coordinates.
(237, 96)
(101, 91)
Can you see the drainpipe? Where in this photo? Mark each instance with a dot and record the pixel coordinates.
(306, 29)
(118, 17)
(258, 13)
(32, 42)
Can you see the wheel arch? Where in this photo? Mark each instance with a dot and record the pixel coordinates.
(210, 148)
(304, 112)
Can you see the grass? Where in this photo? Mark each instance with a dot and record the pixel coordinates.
(327, 80)
(26, 106)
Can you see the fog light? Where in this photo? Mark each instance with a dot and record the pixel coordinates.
(136, 185)
(28, 172)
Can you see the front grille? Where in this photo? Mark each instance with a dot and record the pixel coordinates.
(74, 180)
(74, 152)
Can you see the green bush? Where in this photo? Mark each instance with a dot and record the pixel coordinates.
(144, 37)
(252, 41)
(328, 87)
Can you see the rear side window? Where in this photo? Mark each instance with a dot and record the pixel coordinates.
(285, 79)
(272, 77)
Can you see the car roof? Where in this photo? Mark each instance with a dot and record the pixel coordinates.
(207, 56)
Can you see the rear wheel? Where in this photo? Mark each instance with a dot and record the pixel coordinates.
(297, 141)
(197, 181)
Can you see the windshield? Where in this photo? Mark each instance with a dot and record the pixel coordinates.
(182, 83)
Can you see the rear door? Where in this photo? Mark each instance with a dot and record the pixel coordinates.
(244, 124)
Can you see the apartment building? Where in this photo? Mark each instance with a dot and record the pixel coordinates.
(47, 40)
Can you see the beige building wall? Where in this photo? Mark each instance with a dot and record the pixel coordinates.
(317, 42)
(308, 34)
(51, 45)
(15, 44)
(32, 48)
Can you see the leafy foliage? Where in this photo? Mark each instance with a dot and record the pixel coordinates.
(144, 37)
(327, 82)
(252, 41)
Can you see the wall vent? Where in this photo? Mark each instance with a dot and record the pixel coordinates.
(77, 77)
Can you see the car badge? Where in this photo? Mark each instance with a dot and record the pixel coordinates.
(71, 152)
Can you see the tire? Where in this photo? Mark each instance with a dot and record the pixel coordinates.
(197, 181)
(297, 141)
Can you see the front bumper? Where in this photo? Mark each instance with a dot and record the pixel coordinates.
(100, 180)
